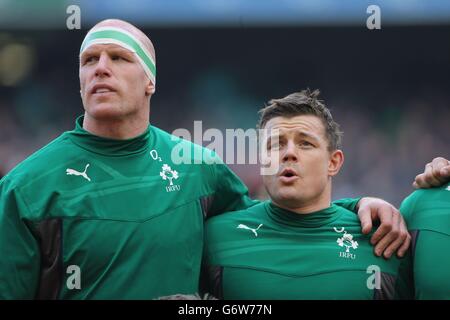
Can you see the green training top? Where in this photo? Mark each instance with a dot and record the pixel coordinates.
(427, 213)
(87, 217)
(266, 252)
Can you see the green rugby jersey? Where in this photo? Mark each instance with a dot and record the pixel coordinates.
(265, 252)
(94, 218)
(119, 210)
(427, 213)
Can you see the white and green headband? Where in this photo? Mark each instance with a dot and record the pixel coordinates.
(106, 35)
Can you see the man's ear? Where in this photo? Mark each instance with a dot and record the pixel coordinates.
(335, 162)
(150, 89)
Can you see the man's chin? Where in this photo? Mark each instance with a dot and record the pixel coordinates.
(106, 111)
(290, 198)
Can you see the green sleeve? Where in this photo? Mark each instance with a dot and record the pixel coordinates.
(20, 259)
(348, 203)
(231, 193)
(407, 207)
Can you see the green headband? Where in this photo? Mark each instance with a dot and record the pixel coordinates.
(106, 35)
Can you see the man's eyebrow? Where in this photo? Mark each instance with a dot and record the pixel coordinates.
(275, 137)
(87, 52)
(303, 134)
(307, 135)
(121, 50)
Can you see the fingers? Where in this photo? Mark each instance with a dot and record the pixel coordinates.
(365, 217)
(435, 174)
(420, 180)
(384, 214)
(389, 231)
(428, 178)
(432, 175)
(398, 245)
(402, 251)
(440, 162)
(392, 234)
(440, 168)
(445, 172)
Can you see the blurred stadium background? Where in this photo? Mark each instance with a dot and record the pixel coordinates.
(220, 60)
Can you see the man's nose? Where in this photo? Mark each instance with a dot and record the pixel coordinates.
(290, 152)
(103, 66)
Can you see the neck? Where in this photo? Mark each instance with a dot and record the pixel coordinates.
(320, 202)
(120, 129)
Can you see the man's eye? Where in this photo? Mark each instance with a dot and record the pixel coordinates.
(306, 144)
(89, 59)
(274, 146)
(117, 57)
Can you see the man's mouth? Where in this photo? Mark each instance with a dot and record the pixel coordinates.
(288, 175)
(101, 89)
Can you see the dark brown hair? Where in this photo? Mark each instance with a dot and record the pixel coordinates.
(303, 103)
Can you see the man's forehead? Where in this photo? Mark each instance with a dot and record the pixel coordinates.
(303, 123)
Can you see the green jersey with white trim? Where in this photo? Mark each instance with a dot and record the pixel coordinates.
(265, 252)
(93, 218)
(427, 213)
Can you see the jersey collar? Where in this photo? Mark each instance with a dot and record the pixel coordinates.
(310, 220)
(108, 146)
